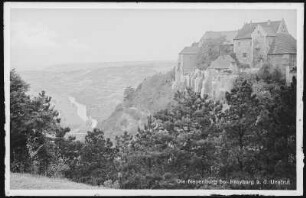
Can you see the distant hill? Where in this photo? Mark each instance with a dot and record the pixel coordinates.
(91, 66)
(19, 181)
(98, 87)
(153, 94)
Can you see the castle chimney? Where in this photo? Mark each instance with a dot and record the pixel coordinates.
(269, 22)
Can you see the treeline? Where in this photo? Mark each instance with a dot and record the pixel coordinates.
(39, 144)
(251, 137)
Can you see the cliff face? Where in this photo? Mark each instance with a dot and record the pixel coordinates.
(152, 95)
(211, 82)
(156, 93)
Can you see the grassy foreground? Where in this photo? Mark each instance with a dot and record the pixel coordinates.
(28, 181)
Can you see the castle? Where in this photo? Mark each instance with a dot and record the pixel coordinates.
(244, 50)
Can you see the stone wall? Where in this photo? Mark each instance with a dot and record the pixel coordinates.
(280, 61)
(241, 47)
(188, 62)
(259, 47)
(269, 40)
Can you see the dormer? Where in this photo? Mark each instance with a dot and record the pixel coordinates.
(282, 28)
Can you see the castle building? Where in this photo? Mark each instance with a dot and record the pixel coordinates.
(222, 73)
(224, 63)
(228, 37)
(253, 41)
(188, 58)
(253, 45)
(282, 54)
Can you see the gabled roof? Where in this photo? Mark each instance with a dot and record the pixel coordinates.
(270, 27)
(222, 62)
(283, 44)
(229, 35)
(193, 49)
(269, 30)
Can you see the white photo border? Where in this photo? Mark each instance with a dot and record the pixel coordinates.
(299, 7)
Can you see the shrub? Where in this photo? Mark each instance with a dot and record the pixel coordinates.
(110, 184)
(57, 169)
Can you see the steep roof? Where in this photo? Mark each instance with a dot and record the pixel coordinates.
(229, 35)
(193, 49)
(283, 44)
(270, 27)
(222, 62)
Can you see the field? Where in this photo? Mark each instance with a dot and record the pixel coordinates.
(27, 181)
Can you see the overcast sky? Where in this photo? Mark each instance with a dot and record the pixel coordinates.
(43, 37)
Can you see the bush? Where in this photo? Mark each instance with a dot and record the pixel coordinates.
(57, 169)
(270, 74)
(110, 184)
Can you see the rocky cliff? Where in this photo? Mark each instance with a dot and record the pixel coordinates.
(211, 82)
(153, 94)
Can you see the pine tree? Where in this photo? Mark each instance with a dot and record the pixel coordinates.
(241, 140)
(278, 156)
(19, 116)
(35, 130)
(176, 143)
(43, 126)
(96, 164)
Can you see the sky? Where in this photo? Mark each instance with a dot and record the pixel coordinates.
(43, 37)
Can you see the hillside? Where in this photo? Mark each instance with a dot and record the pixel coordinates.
(153, 94)
(27, 181)
(97, 88)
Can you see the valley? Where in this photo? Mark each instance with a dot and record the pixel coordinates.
(86, 95)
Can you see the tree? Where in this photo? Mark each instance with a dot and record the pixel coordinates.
(43, 127)
(270, 74)
(241, 138)
(259, 131)
(19, 116)
(70, 152)
(278, 120)
(35, 129)
(176, 143)
(96, 163)
(209, 51)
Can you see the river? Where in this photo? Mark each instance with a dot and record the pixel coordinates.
(82, 112)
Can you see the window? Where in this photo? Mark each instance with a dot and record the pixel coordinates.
(244, 55)
(292, 60)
